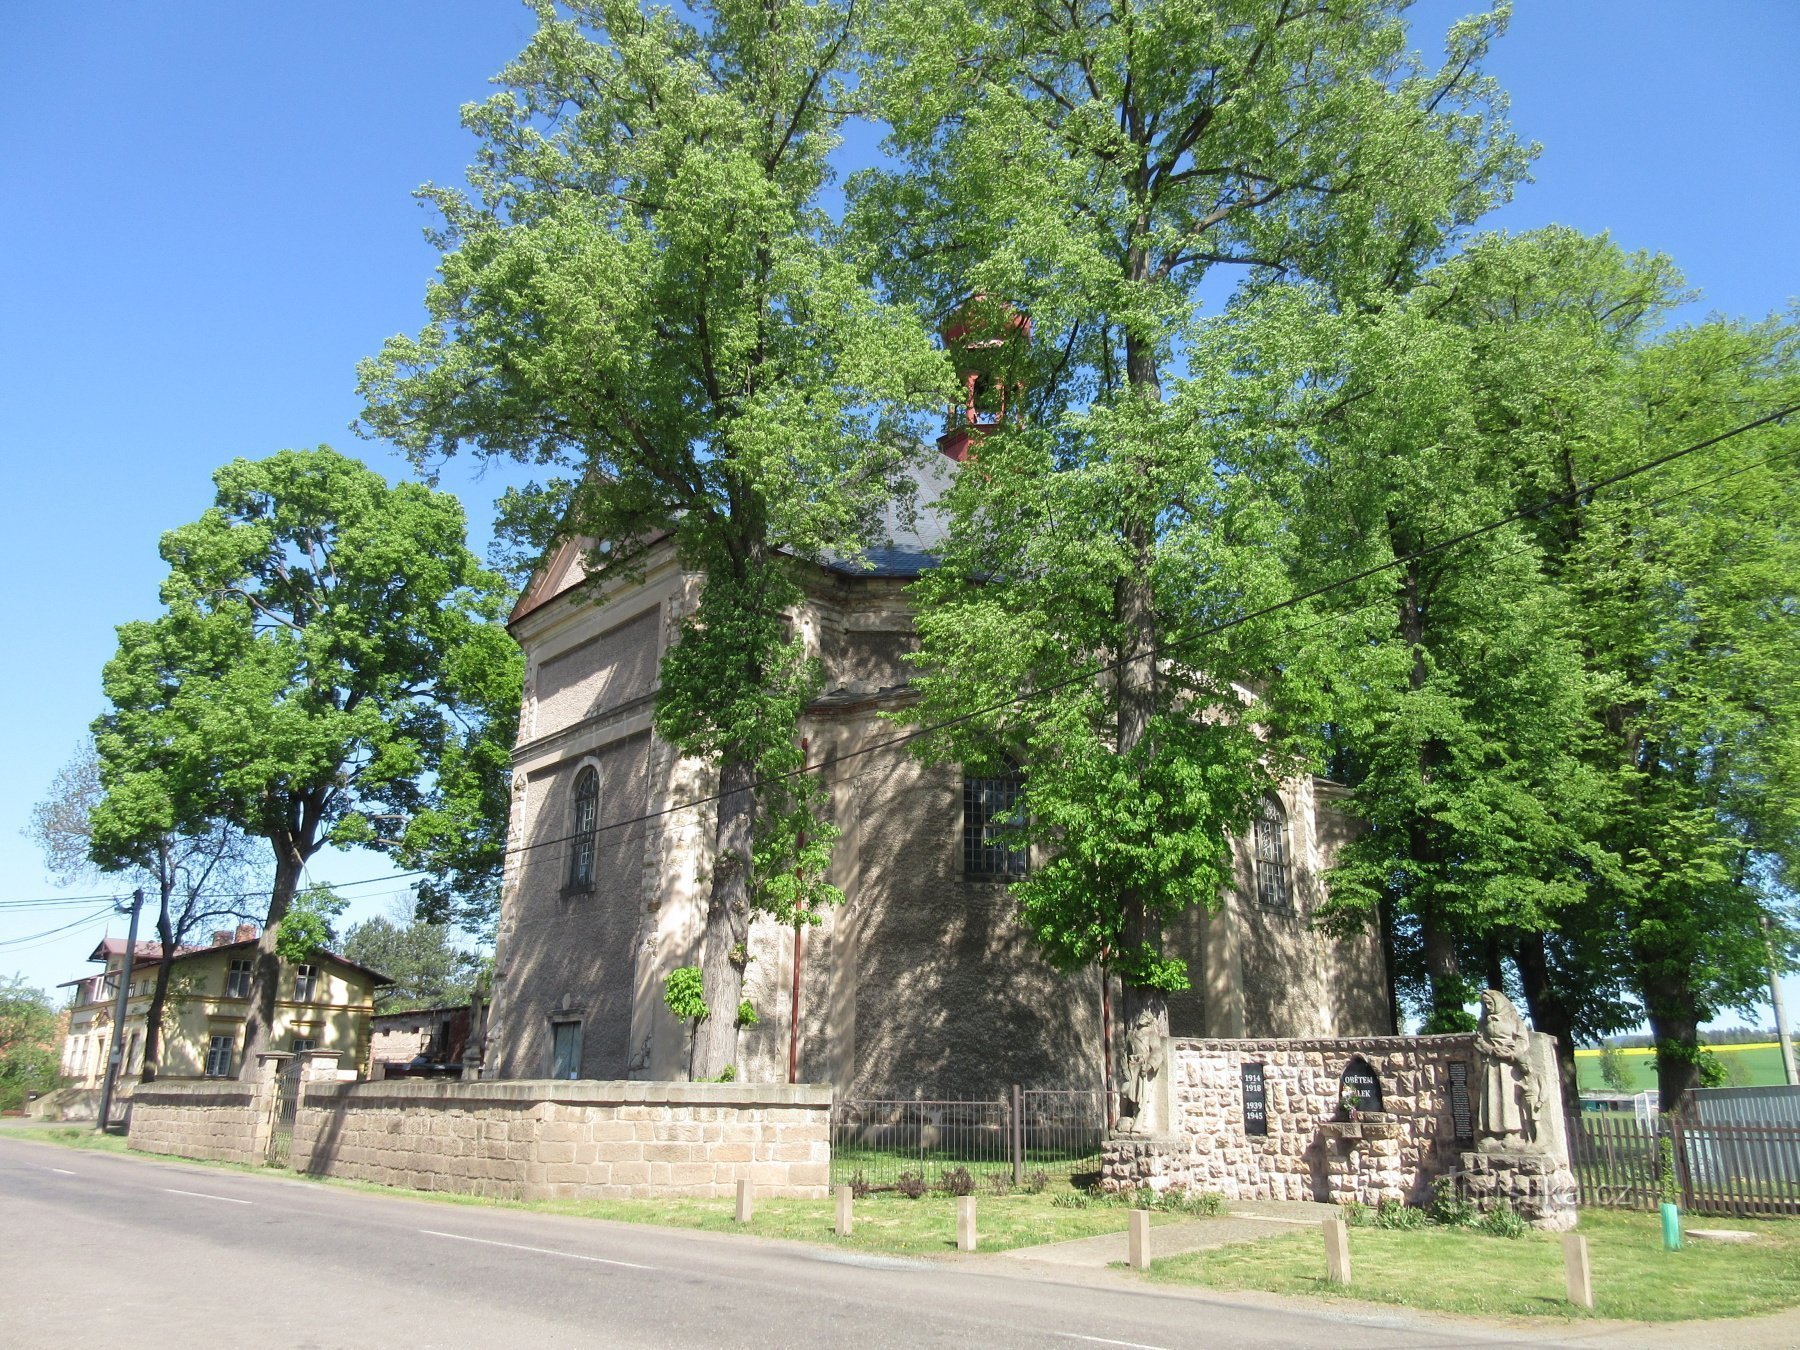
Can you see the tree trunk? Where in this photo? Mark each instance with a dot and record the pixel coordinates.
(1444, 970)
(265, 975)
(1669, 1008)
(1548, 1012)
(165, 934)
(725, 942)
(1144, 1011)
(1384, 909)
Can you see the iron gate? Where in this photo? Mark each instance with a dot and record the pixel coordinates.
(287, 1107)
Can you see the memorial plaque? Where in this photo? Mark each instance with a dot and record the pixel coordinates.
(1256, 1107)
(1459, 1102)
(1359, 1086)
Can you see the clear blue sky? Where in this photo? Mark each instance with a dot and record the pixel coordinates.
(211, 221)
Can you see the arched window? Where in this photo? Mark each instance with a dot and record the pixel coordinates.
(990, 806)
(581, 837)
(1274, 881)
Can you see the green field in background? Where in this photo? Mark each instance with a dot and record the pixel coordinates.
(1745, 1066)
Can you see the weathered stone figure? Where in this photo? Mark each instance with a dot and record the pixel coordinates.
(1509, 1092)
(1143, 1053)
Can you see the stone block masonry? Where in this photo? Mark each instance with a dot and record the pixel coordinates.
(219, 1122)
(536, 1140)
(1267, 1120)
(1304, 1153)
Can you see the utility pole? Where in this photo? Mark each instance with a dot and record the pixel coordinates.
(118, 1037)
(1781, 1024)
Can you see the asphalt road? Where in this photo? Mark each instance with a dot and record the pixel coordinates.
(97, 1249)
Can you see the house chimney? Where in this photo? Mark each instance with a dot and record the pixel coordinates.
(220, 938)
(248, 932)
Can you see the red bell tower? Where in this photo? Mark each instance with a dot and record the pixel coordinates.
(988, 339)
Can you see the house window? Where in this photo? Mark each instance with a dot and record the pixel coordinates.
(565, 1049)
(1274, 881)
(306, 983)
(990, 807)
(237, 979)
(218, 1056)
(304, 1043)
(581, 837)
(131, 1054)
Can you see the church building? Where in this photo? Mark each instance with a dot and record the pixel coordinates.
(923, 983)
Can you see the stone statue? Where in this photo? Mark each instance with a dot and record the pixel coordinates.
(1143, 1048)
(1509, 1090)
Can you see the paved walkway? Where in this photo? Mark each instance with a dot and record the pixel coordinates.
(1244, 1221)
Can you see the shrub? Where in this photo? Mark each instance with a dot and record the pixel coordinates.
(1502, 1221)
(1071, 1200)
(999, 1183)
(1356, 1213)
(956, 1181)
(910, 1184)
(1037, 1182)
(1448, 1206)
(859, 1184)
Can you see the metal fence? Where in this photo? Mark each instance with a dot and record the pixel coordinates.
(1738, 1168)
(1029, 1131)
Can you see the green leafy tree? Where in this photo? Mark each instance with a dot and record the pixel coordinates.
(198, 879)
(1092, 163)
(1458, 697)
(1687, 587)
(28, 1049)
(325, 637)
(643, 292)
(308, 927)
(426, 969)
(1614, 1071)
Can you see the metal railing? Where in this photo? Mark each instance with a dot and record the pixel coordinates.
(874, 1141)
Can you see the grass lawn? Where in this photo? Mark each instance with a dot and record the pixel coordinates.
(884, 1222)
(1450, 1270)
(1755, 1065)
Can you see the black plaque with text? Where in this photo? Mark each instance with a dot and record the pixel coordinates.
(1359, 1086)
(1459, 1101)
(1256, 1108)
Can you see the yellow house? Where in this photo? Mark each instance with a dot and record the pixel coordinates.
(321, 1004)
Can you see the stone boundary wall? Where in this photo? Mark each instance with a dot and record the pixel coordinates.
(534, 1140)
(219, 1120)
(1307, 1153)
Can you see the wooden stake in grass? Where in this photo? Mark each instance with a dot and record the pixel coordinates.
(1337, 1251)
(843, 1211)
(1578, 1273)
(1137, 1239)
(965, 1223)
(744, 1202)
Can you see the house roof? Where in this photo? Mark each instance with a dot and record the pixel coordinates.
(909, 536)
(150, 954)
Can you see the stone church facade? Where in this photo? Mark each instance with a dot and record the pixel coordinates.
(922, 983)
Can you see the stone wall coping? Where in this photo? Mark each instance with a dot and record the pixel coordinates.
(581, 1092)
(1460, 1041)
(194, 1092)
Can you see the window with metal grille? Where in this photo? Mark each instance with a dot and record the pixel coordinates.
(1274, 881)
(993, 807)
(306, 983)
(237, 979)
(218, 1056)
(581, 837)
(304, 1043)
